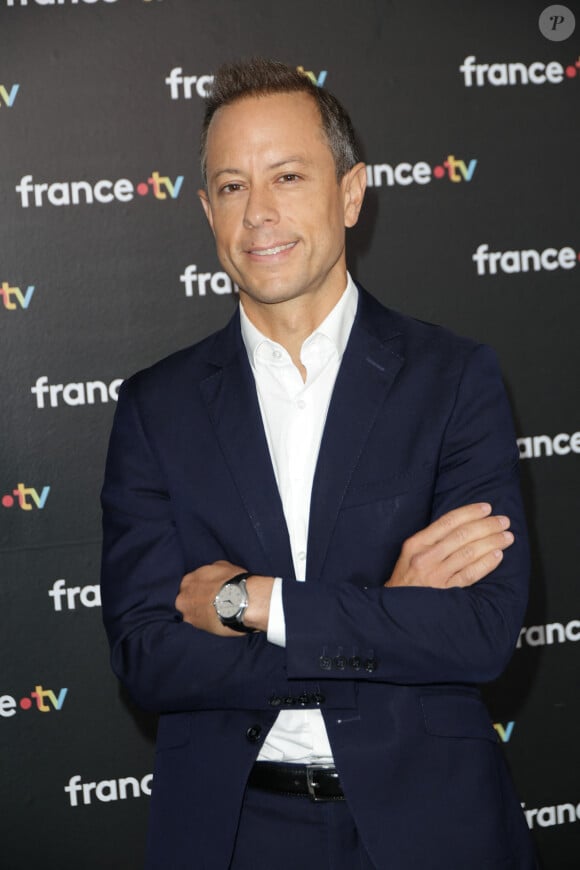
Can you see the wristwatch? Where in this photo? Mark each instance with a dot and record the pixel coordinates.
(231, 602)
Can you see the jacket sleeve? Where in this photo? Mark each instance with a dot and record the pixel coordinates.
(166, 664)
(419, 635)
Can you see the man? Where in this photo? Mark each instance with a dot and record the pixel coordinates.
(307, 561)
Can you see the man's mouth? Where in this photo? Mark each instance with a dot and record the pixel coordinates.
(270, 252)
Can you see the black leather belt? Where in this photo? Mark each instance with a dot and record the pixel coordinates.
(319, 782)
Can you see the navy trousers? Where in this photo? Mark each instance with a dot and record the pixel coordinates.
(279, 832)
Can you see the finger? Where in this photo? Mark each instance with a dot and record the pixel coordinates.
(461, 560)
(441, 527)
(477, 570)
(468, 533)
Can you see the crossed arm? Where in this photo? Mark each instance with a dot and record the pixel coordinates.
(457, 550)
(449, 611)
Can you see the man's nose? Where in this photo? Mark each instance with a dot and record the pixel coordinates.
(260, 208)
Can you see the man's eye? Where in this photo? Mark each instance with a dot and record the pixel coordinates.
(232, 187)
(289, 177)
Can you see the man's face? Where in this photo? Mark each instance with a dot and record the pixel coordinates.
(274, 204)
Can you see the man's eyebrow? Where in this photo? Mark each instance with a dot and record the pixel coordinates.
(284, 162)
(227, 171)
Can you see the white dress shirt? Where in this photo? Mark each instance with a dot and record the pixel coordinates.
(294, 413)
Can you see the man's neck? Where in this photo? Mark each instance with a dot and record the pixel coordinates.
(290, 323)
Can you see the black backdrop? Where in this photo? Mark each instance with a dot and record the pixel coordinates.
(102, 277)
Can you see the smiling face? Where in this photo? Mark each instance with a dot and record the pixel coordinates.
(274, 204)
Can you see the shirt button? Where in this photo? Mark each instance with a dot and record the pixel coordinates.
(302, 555)
(253, 733)
(301, 404)
(277, 354)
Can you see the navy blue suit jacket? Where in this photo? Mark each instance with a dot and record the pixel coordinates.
(418, 424)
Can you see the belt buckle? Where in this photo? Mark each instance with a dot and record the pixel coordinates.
(312, 785)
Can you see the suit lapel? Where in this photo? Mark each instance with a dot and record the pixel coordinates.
(369, 367)
(232, 402)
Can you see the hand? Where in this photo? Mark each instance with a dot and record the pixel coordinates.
(197, 592)
(199, 588)
(460, 548)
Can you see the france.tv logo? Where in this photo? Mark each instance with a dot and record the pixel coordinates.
(186, 87)
(317, 80)
(453, 169)
(510, 73)
(26, 498)
(41, 699)
(104, 191)
(7, 97)
(14, 297)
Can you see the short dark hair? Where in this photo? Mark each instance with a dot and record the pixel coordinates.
(260, 77)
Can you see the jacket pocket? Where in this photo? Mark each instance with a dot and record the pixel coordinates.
(457, 715)
(389, 487)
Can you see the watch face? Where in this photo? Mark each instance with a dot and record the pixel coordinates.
(230, 600)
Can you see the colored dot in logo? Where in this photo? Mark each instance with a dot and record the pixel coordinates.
(571, 71)
(25, 703)
(438, 172)
(7, 501)
(579, 255)
(142, 189)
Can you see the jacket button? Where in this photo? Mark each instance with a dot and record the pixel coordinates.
(325, 663)
(355, 663)
(371, 665)
(275, 701)
(318, 698)
(253, 733)
(340, 663)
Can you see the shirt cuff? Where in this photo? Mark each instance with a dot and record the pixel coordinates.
(276, 633)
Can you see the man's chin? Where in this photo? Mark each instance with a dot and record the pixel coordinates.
(272, 294)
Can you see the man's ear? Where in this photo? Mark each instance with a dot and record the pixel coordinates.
(204, 199)
(354, 184)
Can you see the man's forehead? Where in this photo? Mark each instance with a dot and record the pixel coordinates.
(271, 118)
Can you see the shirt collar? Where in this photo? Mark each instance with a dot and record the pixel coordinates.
(336, 326)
